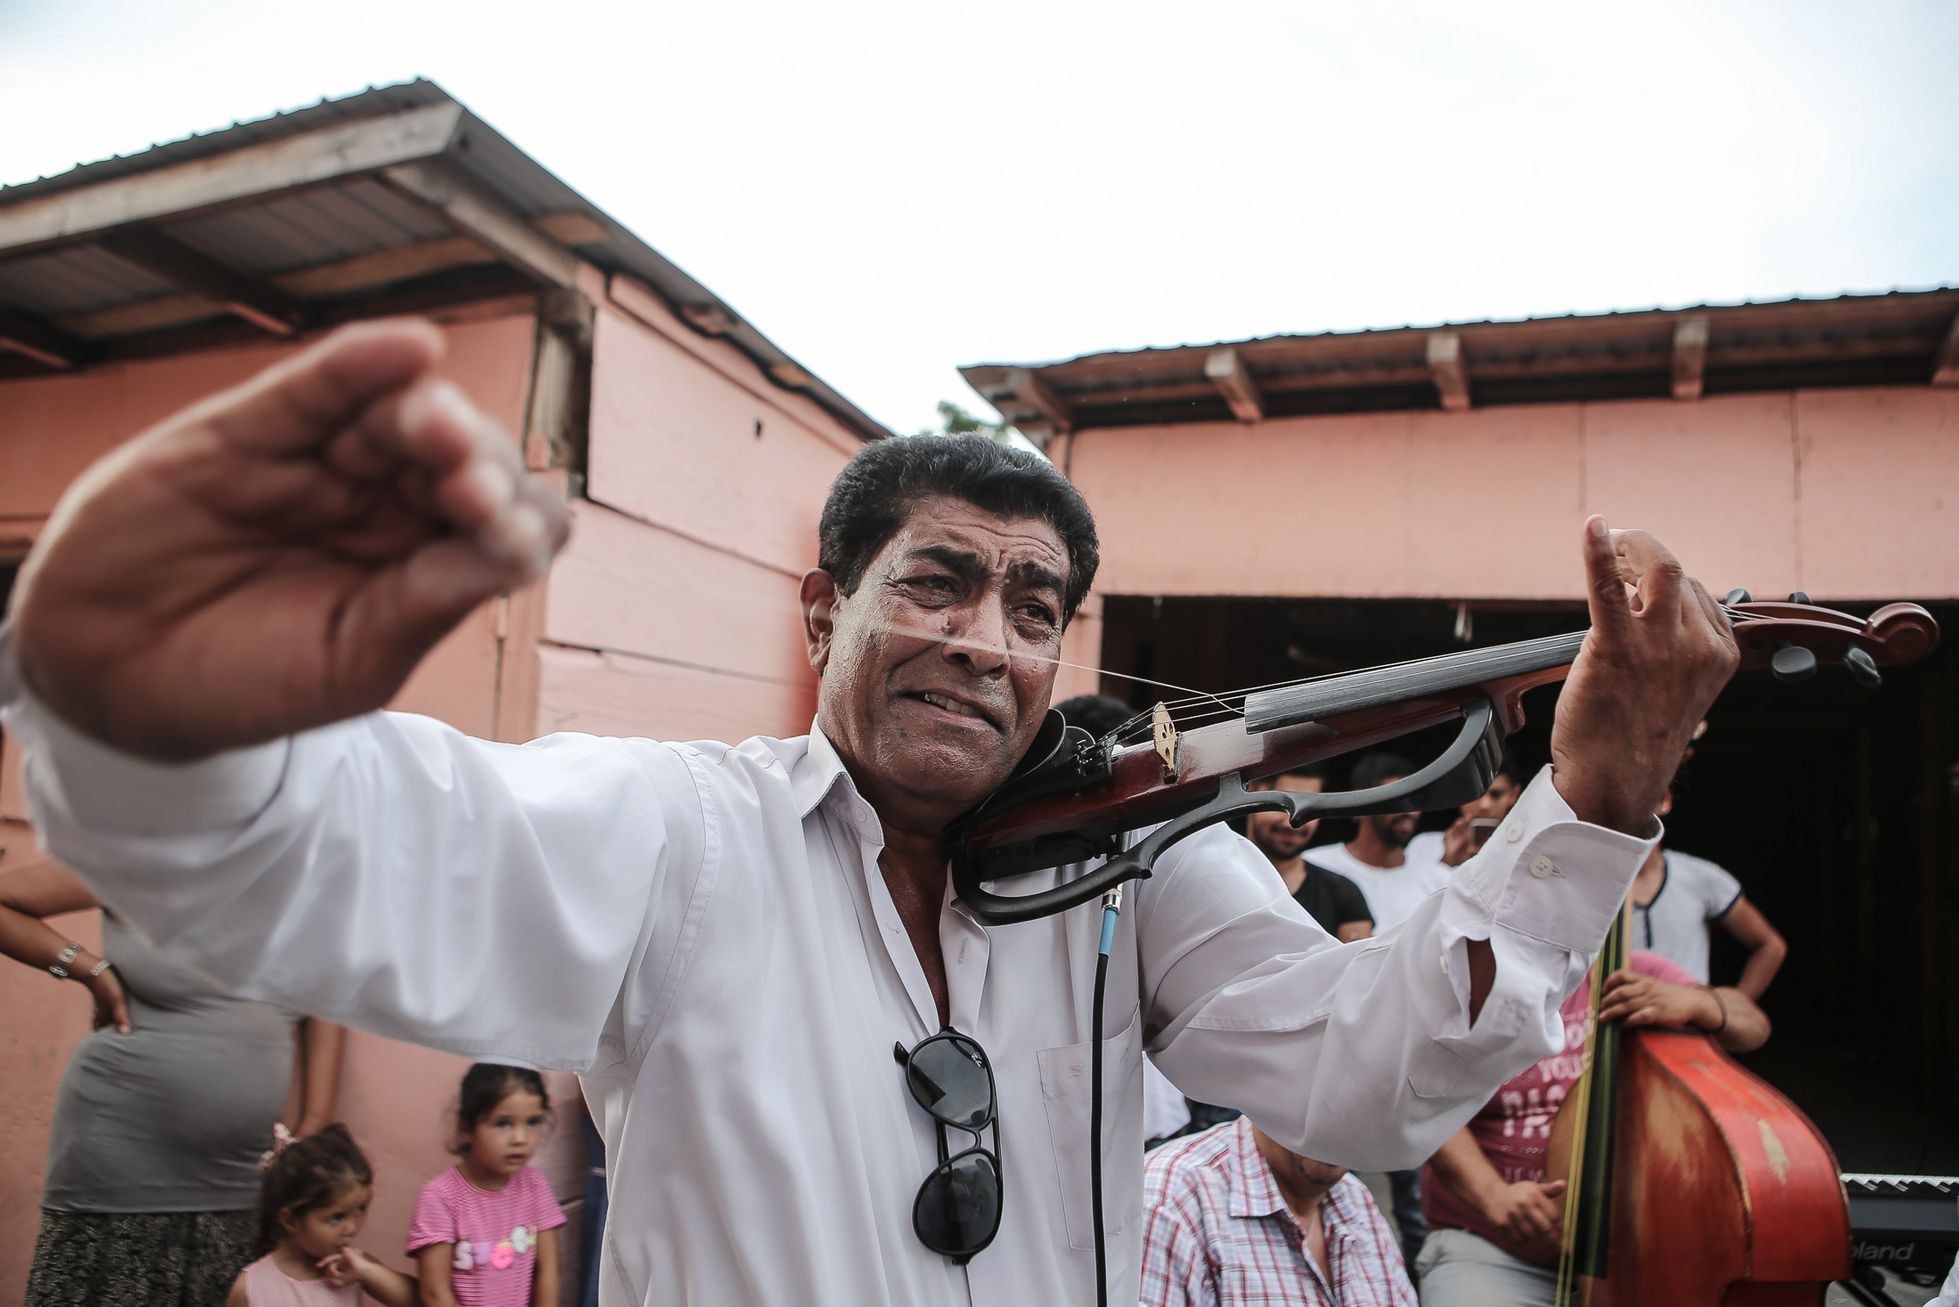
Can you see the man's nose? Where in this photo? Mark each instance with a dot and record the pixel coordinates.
(977, 636)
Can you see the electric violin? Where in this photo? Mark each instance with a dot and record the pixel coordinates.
(1183, 766)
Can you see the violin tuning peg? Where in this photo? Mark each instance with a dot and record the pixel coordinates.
(1799, 596)
(1863, 668)
(1736, 596)
(1792, 663)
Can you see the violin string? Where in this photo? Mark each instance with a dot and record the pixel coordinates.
(1199, 706)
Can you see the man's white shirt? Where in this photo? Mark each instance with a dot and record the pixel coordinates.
(702, 931)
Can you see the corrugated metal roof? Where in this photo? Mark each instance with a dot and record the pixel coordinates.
(81, 290)
(373, 102)
(1896, 337)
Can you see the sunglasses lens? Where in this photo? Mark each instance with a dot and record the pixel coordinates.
(949, 1078)
(958, 1208)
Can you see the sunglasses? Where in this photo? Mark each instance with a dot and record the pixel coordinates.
(957, 1211)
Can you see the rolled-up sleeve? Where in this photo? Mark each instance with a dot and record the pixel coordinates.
(391, 873)
(1364, 1054)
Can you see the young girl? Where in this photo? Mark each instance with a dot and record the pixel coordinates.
(486, 1230)
(311, 1204)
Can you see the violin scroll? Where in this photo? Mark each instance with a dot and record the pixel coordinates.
(1792, 638)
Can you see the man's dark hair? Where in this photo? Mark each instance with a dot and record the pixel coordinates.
(879, 487)
(1375, 768)
(1098, 714)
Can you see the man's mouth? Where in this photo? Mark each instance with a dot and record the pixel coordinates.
(946, 703)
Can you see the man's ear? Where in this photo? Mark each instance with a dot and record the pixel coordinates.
(819, 600)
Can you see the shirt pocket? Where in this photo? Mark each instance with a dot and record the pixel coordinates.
(1065, 1084)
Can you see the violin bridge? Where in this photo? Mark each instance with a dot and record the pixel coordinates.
(1163, 732)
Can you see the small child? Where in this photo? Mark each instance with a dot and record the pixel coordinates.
(311, 1204)
(486, 1230)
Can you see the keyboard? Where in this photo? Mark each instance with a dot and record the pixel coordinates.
(1903, 1221)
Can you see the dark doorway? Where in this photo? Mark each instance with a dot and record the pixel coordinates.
(1838, 809)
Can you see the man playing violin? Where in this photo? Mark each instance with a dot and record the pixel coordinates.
(883, 1101)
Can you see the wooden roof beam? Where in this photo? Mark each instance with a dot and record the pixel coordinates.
(1945, 369)
(1445, 367)
(82, 213)
(1227, 371)
(479, 214)
(1689, 357)
(263, 305)
(1024, 399)
(25, 334)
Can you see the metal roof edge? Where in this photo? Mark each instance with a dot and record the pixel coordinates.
(1593, 315)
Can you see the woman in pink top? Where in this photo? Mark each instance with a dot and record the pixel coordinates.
(1493, 1215)
(311, 1204)
(485, 1232)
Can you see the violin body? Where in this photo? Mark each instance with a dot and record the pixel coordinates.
(1723, 1192)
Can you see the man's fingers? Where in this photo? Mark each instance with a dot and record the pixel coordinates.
(1652, 567)
(300, 404)
(1605, 587)
(1552, 1188)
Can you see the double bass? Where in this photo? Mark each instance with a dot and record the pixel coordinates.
(1691, 1180)
(1702, 1185)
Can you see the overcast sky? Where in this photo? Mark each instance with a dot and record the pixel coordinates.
(889, 190)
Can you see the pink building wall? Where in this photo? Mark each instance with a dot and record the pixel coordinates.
(673, 613)
(1849, 494)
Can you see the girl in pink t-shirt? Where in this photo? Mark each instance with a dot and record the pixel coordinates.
(486, 1230)
(312, 1201)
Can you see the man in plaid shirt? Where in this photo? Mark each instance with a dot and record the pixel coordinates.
(1232, 1219)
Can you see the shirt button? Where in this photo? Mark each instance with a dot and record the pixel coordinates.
(1541, 866)
(1514, 831)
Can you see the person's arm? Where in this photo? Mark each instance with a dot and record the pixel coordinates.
(1525, 1210)
(1766, 947)
(1729, 1015)
(322, 1045)
(435, 1262)
(46, 890)
(340, 872)
(237, 1297)
(382, 1283)
(544, 1284)
(1355, 921)
(1371, 1054)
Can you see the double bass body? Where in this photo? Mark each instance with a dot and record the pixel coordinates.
(1722, 1190)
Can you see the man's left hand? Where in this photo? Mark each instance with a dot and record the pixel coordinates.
(1658, 653)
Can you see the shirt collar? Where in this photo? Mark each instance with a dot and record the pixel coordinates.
(820, 772)
(1252, 1191)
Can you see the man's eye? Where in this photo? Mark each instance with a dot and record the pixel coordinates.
(935, 584)
(1040, 613)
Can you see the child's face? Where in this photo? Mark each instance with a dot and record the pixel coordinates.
(505, 1138)
(330, 1227)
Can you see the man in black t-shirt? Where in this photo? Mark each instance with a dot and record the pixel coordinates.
(1330, 898)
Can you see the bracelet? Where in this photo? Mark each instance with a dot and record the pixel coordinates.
(99, 968)
(1716, 994)
(59, 967)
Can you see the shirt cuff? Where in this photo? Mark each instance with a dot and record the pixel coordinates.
(1547, 875)
(100, 788)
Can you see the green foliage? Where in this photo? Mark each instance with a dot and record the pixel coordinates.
(956, 421)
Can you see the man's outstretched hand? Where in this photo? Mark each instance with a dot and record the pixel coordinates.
(1658, 653)
(280, 555)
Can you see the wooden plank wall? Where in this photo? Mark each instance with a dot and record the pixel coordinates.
(673, 613)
